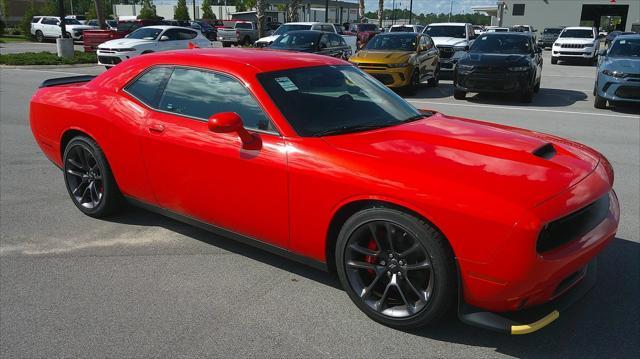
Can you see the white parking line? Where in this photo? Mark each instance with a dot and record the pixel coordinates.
(524, 109)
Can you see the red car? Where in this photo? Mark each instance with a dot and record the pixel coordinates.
(308, 157)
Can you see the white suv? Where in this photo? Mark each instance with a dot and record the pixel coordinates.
(576, 43)
(43, 27)
(450, 38)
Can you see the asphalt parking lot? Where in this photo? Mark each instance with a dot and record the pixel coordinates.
(141, 285)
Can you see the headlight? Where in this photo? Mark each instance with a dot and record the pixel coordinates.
(403, 64)
(460, 48)
(590, 45)
(126, 50)
(613, 73)
(466, 67)
(519, 68)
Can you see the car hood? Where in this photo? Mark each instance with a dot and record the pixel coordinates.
(574, 40)
(623, 64)
(121, 43)
(268, 38)
(496, 60)
(464, 151)
(449, 41)
(381, 57)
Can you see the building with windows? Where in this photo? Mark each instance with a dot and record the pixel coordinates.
(606, 15)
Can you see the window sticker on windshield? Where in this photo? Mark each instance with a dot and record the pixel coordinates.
(622, 42)
(286, 84)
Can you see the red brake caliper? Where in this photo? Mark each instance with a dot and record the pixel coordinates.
(370, 259)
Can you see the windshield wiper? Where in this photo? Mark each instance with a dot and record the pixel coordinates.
(354, 128)
(418, 117)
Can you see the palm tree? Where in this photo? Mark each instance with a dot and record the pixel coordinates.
(380, 11)
(361, 8)
(260, 8)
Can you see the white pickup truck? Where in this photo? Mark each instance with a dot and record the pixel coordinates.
(242, 33)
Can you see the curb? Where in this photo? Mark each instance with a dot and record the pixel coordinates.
(10, 67)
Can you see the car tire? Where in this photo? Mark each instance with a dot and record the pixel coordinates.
(536, 88)
(405, 278)
(414, 82)
(527, 95)
(246, 41)
(39, 36)
(599, 102)
(435, 80)
(69, 35)
(459, 94)
(554, 60)
(89, 179)
(226, 44)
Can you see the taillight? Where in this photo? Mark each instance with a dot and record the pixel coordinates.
(237, 33)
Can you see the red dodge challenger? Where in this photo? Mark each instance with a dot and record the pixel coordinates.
(308, 157)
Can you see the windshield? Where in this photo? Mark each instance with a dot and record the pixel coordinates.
(581, 34)
(112, 23)
(447, 31)
(283, 29)
(501, 44)
(72, 22)
(367, 27)
(393, 42)
(303, 40)
(243, 25)
(401, 29)
(329, 100)
(145, 33)
(551, 31)
(625, 48)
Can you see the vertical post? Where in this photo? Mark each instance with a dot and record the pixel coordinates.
(61, 16)
(393, 12)
(326, 10)
(410, 10)
(194, 9)
(450, 9)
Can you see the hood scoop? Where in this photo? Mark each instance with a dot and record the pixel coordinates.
(546, 151)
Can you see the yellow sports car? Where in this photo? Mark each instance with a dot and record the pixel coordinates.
(400, 59)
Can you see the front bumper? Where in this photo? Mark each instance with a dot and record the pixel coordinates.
(571, 53)
(112, 58)
(518, 276)
(499, 82)
(625, 89)
(529, 321)
(390, 77)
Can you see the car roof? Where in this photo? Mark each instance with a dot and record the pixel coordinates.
(627, 36)
(506, 33)
(307, 23)
(578, 28)
(448, 23)
(166, 27)
(398, 33)
(236, 60)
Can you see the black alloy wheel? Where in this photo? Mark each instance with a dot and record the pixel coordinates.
(435, 80)
(88, 178)
(396, 268)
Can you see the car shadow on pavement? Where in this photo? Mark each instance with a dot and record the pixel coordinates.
(603, 323)
(141, 217)
(547, 97)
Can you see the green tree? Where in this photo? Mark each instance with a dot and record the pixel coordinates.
(180, 11)
(148, 10)
(207, 13)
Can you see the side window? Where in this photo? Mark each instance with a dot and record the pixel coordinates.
(172, 34)
(334, 40)
(423, 42)
(201, 94)
(186, 34)
(324, 41)
(327, 28)
(420, 29)
(148, 87)
(518, 10)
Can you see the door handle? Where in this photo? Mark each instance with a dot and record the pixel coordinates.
(156, 128)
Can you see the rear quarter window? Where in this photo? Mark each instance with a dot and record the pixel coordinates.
(148, 87)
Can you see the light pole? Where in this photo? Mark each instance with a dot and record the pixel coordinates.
(450, 9)
(410, 10)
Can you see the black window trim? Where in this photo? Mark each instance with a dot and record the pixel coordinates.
(275, 132)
